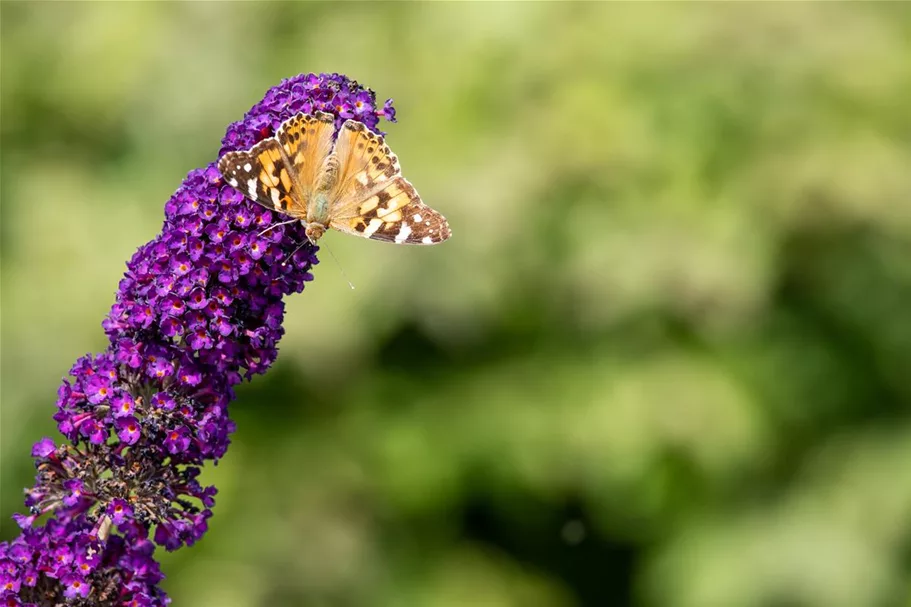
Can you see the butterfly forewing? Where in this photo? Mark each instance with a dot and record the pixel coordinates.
(307, 141)
(262, 175)
(370, 198)
(280, 172)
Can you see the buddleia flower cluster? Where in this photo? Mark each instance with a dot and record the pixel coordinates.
(199, 310)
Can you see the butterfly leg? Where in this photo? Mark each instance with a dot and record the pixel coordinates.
(313, 231)
(299, 247)
(275, 225)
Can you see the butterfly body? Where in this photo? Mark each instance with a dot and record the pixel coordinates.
(320, 208)
(353, 186)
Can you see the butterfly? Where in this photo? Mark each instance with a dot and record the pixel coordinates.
(353, 185)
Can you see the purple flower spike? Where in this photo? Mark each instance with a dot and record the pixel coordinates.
(199, 308)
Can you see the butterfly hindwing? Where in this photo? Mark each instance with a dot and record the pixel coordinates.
(396, 214)
(372, 199)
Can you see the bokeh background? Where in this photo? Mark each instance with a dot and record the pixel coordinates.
(665, 359)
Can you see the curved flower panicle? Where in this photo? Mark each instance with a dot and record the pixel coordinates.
(199, 309)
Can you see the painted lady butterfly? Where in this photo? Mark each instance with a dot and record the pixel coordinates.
(354, 186)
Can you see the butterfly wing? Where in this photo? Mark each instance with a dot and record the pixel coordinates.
(307, 140)
(261, 175)
(279, 172)
(370, 198)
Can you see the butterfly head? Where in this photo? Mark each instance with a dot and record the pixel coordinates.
(314, 231)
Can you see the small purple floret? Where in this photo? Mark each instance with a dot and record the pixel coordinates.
(119, 511)
(177, 440)
(128, 430)
(43, 448)
(76, 587)
(122, 405)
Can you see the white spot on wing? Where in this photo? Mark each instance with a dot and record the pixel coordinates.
(427, 240)
(417, 217)
(275, 197)
(362, 178)
(373, 226)
(251, 188)
(248, 167)
(403, 234)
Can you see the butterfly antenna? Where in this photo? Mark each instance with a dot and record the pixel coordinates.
(341, 269)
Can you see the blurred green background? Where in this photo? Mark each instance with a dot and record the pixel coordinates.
(665, 359)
